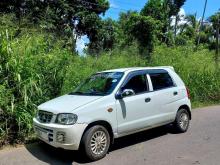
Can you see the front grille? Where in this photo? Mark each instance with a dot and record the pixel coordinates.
(43, 129)
(44, 117)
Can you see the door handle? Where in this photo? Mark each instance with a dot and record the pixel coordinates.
(147, 99)
(175, 93)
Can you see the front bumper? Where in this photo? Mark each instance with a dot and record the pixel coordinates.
(49, 133)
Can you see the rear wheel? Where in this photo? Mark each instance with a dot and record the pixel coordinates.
(181, 123)
(96, 141)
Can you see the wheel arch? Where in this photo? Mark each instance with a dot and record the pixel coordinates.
(188, 110)
(103, 123)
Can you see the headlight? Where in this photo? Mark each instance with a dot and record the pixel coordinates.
(66, 118)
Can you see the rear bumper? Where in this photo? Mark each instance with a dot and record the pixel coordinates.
(49, 133)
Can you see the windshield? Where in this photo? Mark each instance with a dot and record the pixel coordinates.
(99, 84)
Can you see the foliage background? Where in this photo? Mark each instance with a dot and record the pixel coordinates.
(38, 60)
(34, 69)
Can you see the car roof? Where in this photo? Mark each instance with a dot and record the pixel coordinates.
(139, 68)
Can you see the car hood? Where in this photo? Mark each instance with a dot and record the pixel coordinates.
(67, 103)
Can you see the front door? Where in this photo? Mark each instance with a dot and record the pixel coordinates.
(134, 111)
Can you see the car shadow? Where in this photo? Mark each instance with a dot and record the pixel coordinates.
(55, 156)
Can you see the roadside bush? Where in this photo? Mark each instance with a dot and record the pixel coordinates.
(31, 72)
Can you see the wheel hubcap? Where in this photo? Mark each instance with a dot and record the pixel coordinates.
(98, 142)
(184, 121)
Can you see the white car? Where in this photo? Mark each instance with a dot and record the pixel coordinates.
(112, 104)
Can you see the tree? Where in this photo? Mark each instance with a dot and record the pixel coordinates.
(175, 8)
(191, 20)
(157, 10)
(154, 8)
(123, 37)
(190, 27)
(15, 6)
(104, 38)
(109, 33)
(143, 30)
(215, 20)
(59, 16)
(163, 10)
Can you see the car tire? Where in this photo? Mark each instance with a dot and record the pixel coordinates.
(181, 123)
(96, 142)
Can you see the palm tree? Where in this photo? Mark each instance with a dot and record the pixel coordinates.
(191, 20)
(190, 24)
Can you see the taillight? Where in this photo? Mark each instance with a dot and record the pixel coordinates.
(188, 93)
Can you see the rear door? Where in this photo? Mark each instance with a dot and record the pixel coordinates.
(165, 94)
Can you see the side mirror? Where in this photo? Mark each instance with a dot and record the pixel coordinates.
(124, 93)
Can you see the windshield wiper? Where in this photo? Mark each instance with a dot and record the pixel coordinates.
(96, 93)
(73, 93)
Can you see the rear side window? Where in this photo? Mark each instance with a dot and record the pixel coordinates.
(161, 80)
(137, 83)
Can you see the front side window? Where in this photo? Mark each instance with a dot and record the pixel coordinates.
(99, 84)
(161, 80)
(137, 83)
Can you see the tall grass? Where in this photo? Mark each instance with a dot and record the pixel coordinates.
(197, 69)
(34, 68)
(31, 72)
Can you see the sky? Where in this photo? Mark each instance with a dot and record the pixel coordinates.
(117, 6)
(190, 7)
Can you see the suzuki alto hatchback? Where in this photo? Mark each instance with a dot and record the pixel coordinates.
(112, 104)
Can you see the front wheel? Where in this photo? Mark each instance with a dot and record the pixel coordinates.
(96, 141)
(181, 123)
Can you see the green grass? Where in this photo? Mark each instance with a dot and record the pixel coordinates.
(198, 104)
(34, 68)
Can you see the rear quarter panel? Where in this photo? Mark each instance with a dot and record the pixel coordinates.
(182, 98)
